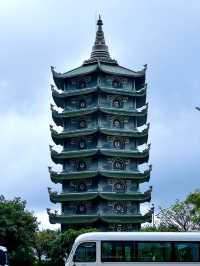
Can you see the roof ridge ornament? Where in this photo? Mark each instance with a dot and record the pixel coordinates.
(100, 49)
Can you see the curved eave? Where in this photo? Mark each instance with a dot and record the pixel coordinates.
(66, 197)
(105, 68)
(72, 219)
(125, 92)
(88, 219)
(128, 112)
(59, 137)
(59, 157)
(58, 117)
(126, 219)
(139, 197)
(136, 175)
(126, 153)
(125, 133)
(59, 98)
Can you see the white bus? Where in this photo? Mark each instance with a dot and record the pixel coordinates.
(3, 256)
(139, 248)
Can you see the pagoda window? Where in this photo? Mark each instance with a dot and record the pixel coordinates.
(81, 187)
(118, 144)
(82, 104)
(119, 207)
(116, 83)
(120, 187)
(81, 166)
(117, 123)
(82, 124)
(82, 144)
(81, 209)
(81, 84)
(119, 165)
(117, 103)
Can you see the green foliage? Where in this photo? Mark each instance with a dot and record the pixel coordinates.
(17, 230)
(194, 198)
(55, 245)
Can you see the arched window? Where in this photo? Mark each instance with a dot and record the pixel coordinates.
(81, 166)
(116, 83)
(118, 144)
(82, 104)
(117, 103)
(81, 84)
(82, 144)
(117, 123)
(119, 165)
(81, 209)
(82, 124)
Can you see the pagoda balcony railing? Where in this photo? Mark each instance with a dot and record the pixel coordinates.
(88, 219)
(59, 137)
(59, 157)
(59, 97)
(58, 177)
(116, 196)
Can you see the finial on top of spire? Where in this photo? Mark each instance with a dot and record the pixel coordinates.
(100, 49)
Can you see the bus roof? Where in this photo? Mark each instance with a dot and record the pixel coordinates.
(142, 236)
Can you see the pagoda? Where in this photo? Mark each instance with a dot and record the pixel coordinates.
(104, 138)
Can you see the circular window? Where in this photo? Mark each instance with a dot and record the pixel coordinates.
(81, 209)
(119, 165)
(82, 144)
(116, 123)
(82, 104)
(82, 124)
(118, 144)
(81, 166)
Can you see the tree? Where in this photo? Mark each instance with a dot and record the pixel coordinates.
(17, 230)
(60, 246)
(180, 216)
(194, 198)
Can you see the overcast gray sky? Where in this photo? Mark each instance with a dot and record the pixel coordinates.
(36, 34)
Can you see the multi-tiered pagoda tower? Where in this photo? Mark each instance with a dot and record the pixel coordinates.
(104, 125)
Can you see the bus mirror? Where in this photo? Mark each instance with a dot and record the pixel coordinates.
(75, 258)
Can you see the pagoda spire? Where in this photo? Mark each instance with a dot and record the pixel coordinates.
(100, 49)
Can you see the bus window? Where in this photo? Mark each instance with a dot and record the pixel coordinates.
(154, 251)
(3, 258)
(85, 252)
(187, 252)
(117, 251)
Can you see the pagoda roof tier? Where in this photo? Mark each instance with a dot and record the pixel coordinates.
(59, 157)
(98, 67)
(89, 219)
(58, 117)
(59, 137)
(79, 196)
(59, 97)
(59, 177)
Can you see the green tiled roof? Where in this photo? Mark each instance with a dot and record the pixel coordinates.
(107, 68)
